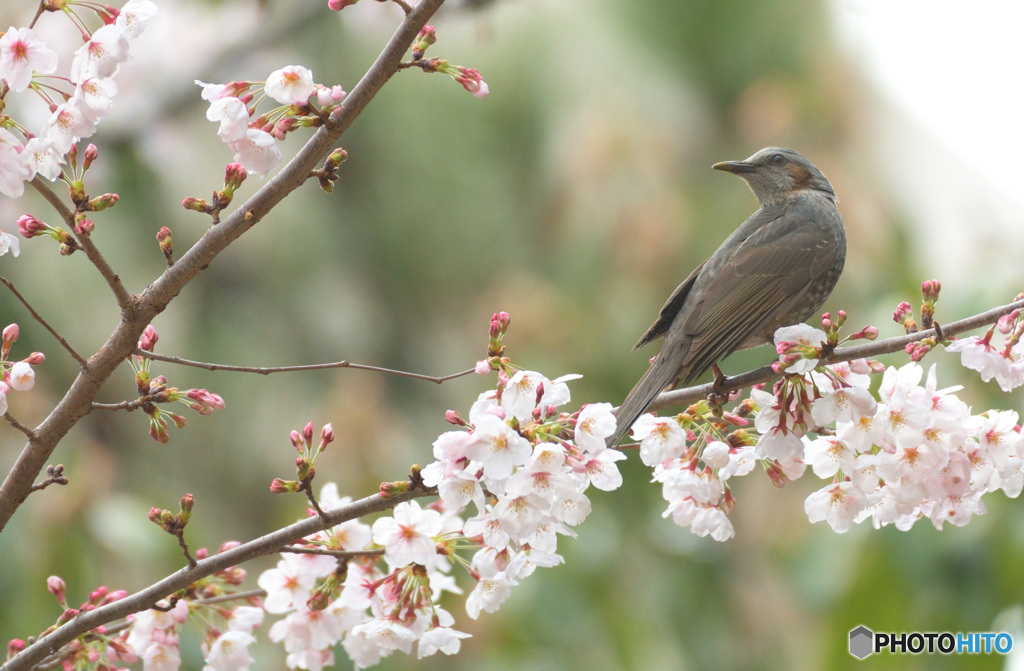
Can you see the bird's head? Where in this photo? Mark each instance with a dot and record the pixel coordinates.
(774, 173)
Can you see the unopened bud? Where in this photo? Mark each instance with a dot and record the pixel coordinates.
(279, 486)
(930, 290)
(98, 595)
(11, 332)
(30, 227)
(84, 225)
(391, 489)
(337, 157)
(103, 202)
(338, 5)
(149, 338)
(326, 435)
(307, 433)
(187, 502)
(483, 367)
(234, 175)
(424, 39)
(91, 154)
(55, 585)
(163, 238)
(296, 439)
(197, 204)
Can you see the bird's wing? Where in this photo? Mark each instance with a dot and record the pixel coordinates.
(670, 310)
(769, 272)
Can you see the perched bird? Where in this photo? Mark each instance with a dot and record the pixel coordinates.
(775, 270)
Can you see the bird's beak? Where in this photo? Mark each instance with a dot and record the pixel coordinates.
(735, 167)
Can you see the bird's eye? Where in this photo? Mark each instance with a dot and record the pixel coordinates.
(777, 159)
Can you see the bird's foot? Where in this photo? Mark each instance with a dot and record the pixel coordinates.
(718, 396)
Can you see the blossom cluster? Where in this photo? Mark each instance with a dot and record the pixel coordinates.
(16, 375)
(154, 391)
(303, 103)
(1002, 361)
(510, 480)
(28, 63)
(914, 452)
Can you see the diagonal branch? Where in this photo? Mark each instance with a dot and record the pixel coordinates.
(139, 311)
(876, 348)
(181, 579)
(71, 350)
(124, 299)
(259, 370)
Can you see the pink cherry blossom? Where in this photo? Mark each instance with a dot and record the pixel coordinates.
(257, 151)
(101, 55)
(21, 54)
(407, 537)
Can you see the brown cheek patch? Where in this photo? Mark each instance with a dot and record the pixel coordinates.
(802, 177)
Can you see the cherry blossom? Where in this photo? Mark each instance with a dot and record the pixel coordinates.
(21, 54)
(407, 537)
(256, 151)
(290, 85)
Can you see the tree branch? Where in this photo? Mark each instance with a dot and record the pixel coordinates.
(35, 315)
(181, 579)
(124, 299)
(260, 370)
(876, 348)
(139, 311)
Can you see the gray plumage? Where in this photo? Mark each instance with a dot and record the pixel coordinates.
(776, 269)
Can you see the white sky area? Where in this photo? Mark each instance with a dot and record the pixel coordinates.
(952, 141)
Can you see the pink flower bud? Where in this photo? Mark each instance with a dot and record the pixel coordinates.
(505, 319)
(307, 434)
(930, 290)
(206, 399)
(56, 586)
(187, 502)
(84, 225)
(483, 367)
(326, 435)
(97, 595)
(149, 338)
(103, 202)
(424, 39)
(91, 154)
(30, 227)
(14, 646)
(197, 204)
(296, 439)
(234, 175)
(11, 333)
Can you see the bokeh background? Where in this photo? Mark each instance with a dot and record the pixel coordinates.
(575, 196)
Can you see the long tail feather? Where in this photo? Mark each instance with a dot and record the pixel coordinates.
(657, 377)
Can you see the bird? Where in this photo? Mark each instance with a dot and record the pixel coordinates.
(775, 270)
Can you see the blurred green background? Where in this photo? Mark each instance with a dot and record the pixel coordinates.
(575, 196)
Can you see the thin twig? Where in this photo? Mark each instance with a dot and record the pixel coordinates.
(404, 5)
(35, 315)
(123, 405)
(180, 534)
(259, 370)
(876, 348)
(19, 426)
(340, 554)
(124, 299)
